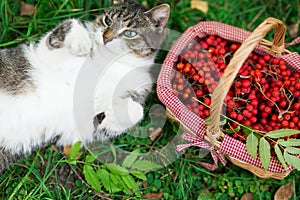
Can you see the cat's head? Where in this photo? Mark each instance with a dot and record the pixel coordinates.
(127, 22)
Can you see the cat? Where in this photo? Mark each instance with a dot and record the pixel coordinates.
(37, 80)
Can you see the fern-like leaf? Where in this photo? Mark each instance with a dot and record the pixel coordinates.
(131, 158)
(280, 156)
(131, 184)
(145, 165)
(281, 133)
(292, 160)
(91, 177)
(252, 145)
(138, 174)
(292, 150)
(116, 169)
(291, 142)
(264, 152)
(108, 184)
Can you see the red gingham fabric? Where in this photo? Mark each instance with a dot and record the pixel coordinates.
(229, 146)
(216, 155)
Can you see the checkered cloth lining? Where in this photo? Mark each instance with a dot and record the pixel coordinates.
(229, 146)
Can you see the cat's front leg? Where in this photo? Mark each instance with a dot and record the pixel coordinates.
(71, 34)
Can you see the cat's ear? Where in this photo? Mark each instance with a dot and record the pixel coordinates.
(160, 15)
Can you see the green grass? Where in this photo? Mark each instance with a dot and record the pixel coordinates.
(47, 175)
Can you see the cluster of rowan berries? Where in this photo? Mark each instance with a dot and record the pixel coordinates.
(265, 94)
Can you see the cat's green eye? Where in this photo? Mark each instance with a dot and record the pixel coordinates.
(107, 21)
(130, 34)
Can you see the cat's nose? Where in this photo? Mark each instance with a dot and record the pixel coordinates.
(106, 39)
(107, 36)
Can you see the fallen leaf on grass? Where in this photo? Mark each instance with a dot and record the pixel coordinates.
(154, 134)
(26, 9)
(205, 194)
(67, 151)
(145, 184)
(247, 196)
(199, 5)
(284, 192)
(54, 148)
(154, 195)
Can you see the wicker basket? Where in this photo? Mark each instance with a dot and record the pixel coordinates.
(232, 149)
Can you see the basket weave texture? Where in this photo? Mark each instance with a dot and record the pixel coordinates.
(233, 149)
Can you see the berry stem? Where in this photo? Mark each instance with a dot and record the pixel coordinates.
(242, 125)
(281, 113)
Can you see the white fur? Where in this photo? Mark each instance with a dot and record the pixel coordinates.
(27, 121)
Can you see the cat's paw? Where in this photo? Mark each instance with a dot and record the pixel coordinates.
(78, 41)
(135, 111)
(72, 35)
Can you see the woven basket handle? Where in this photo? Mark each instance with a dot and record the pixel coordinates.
(214, 132)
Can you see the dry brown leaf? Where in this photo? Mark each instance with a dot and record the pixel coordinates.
(145, 184)
(67, 150)
(199, 5)
(154, 134)
(247, 196)
(284, 192)
(293, 29)
(54, 148)
(154, 195)
(26, 9)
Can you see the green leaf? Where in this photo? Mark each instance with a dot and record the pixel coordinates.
(145, 165)
(118, 181)
(204, 194)
(229, 130)
(252, 144)
(91, 177)
(247, 129)
(138, 174)
(281, 133)
(292, 150)
(280, 156)
(90, 158)
(108, 184)
(292, 160)
(116, 169)
(131, 184)
(157, 183)
(74, 150)
(253, 188)
(103, 175)
(238, 183)
(241, 190)
(131, 158)
(291, 142)
(264, 152)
